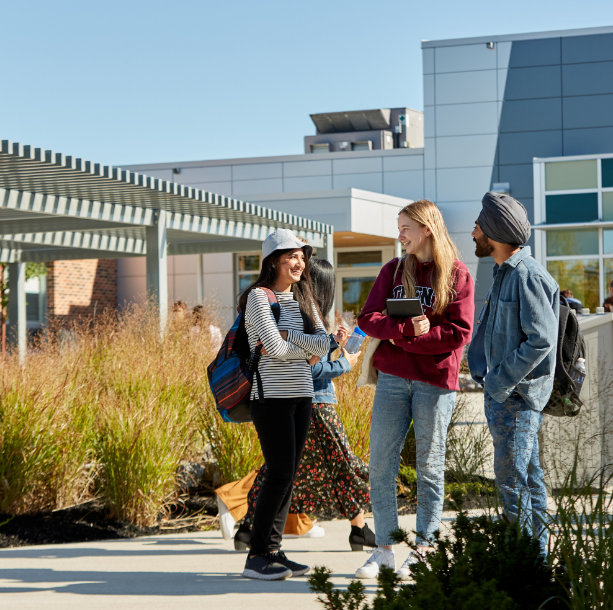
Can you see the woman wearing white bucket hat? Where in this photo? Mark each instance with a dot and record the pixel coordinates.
(283, 414)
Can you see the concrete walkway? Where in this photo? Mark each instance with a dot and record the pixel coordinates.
(199, 571)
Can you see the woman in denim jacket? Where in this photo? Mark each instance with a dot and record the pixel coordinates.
(330, 476)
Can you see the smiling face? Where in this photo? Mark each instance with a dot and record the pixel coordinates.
(483, 247)
(414, 236)
(290, 267)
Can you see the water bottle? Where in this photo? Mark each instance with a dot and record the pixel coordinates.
(577, 374)
(355, 341)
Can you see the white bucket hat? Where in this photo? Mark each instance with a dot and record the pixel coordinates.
(284, 239)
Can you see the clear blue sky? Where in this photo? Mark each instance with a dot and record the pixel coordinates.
(130, 81)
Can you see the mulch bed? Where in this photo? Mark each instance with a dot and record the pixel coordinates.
(90, 521)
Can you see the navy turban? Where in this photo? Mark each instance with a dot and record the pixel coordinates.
(504, 219)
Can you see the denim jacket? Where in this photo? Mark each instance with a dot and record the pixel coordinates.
(324, 372)
(514, 344)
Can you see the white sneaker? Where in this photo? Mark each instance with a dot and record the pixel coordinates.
(226, 520)
(405, 573)
(315, 532)
(379, 557)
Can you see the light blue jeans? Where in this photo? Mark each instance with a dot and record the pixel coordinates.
(519, 477)
(397, 402)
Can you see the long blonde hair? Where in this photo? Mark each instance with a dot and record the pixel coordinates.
(444, 252)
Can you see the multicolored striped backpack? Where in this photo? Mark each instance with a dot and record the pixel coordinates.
(231, 373)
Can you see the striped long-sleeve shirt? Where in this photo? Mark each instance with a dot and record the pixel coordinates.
(285, 371)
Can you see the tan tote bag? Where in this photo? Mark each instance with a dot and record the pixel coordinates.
(369, 376)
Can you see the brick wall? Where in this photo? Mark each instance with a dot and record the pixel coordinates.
(76, 288)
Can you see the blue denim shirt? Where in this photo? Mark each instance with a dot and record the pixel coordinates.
(324, 372)
(515, 339)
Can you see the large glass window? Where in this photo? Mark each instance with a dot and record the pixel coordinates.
(355, 293)
(569, 175)
(572, 243)
(248, 268)
(579, 275)
(368, 258)
(576, 207)
(606, 171)
(580, 259)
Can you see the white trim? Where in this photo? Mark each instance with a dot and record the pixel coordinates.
(572, 158)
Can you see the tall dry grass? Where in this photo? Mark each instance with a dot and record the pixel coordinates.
(116, 401)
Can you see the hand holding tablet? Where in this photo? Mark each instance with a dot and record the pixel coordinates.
(409, 308)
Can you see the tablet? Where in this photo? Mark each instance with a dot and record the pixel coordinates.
(404, 308)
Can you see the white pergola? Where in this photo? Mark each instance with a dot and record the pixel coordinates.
(57, 207)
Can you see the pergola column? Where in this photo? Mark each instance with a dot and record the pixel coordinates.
(157, 265)
(17, 308)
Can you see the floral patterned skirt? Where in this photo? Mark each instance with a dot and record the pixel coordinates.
(330, 475)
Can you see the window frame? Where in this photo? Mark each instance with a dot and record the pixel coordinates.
(540, 215)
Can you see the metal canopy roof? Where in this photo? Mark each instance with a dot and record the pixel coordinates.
(54, 207)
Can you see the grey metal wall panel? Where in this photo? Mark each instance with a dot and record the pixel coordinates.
(462, 184)
(307, 168)
(191, 175)
(466, 87)
(464, 58)
(517, 148)
(257, 171)
(528, 203)
(503, 54)
(466, 151)
(428, 61)
(356, 166)
(588, 111)
(409, 184)
(367, 182)
(466, 119)
(307, 183)
(404, 163)
(528, 83)
(243, 188)
(531, 115)
(588, 79)
(428, 89)
(588, 141)
(520, 178)
(430, 153)
(540, 52)
(581, 49)
(429, 122)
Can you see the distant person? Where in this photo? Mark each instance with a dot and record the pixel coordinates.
(282, 415)
(513, 355)
(199, 318)
(418, 362)
(572, 302)
(608, 302)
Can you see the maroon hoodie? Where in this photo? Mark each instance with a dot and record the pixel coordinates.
(434, 357)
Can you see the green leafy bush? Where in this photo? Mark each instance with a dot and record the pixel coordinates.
(483, 565)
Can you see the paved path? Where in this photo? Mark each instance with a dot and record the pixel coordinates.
(199, 571)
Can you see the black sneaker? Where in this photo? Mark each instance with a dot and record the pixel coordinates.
(361, 537)
(298, 569)
(266, 567)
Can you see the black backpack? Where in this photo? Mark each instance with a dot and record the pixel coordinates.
(564, 400)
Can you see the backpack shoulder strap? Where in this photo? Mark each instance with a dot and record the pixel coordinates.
(273, 302)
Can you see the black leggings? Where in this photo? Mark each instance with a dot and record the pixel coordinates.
(282, 425)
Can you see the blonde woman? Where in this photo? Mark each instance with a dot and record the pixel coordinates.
(418, 362)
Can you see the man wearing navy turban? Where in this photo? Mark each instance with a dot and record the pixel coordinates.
(513, 355)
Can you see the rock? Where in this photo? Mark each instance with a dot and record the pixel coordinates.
(191, 475)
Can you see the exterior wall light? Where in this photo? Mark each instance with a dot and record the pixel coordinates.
(489, 45)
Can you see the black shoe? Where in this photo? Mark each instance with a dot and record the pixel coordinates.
(297, 569)
(361, 537)
(242, 538)
(266, 567)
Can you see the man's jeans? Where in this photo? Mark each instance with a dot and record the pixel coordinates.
(514, 428)
(397, 402)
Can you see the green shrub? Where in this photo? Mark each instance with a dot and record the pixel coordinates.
(483, 565)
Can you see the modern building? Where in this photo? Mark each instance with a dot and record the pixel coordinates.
(529, 114)
(498, 111)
